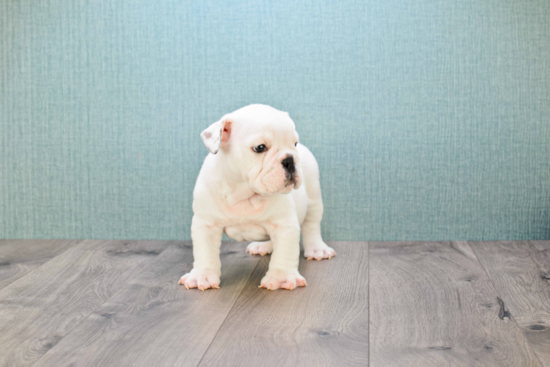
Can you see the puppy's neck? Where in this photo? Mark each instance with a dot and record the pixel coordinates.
(235, 187)
(239, 193)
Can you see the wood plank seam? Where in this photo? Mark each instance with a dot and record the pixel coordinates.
(232, 306)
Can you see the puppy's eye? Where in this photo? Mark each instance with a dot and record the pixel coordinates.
(259, 148)
(296, 144)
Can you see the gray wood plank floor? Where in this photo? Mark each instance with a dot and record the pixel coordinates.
(117, 303)
(152, 319)
(433, 305)
(42, 307)
(521, 274)
(323, 324)
(18, 257)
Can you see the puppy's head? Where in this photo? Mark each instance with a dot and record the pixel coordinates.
(259, 144)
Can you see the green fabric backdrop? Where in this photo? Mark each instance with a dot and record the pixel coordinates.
(430, 119)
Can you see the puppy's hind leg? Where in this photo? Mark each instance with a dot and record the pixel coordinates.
(314, 246)
(260, 248)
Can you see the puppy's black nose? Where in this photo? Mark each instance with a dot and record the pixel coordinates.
(288, 164)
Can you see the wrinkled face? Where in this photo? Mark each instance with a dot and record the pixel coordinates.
(260, 145)
(272, 163)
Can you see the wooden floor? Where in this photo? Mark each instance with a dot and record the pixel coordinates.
(117, 303)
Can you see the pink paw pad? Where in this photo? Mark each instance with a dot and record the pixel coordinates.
(260, 248)
(320, 253)
(282, 280)
(200, 279)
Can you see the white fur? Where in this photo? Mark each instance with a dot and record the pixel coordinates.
(246, 194)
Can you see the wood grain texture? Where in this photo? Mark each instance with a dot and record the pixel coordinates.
(154, 321)
(432, 304)
(323, 324)
(19, 257)
(117, 303)
(520, 272)
(38, 310)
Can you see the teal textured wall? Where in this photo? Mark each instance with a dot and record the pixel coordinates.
(430, 119)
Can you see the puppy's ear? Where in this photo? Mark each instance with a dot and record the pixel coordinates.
(215, 134)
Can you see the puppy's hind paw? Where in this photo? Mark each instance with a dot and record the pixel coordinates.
(260, 248)
(319, 252)
(201, 279)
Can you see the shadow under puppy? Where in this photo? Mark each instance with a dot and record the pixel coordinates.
(243, 188)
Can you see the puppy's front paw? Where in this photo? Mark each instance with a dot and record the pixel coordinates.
(275, 279)
(319, 252)
(260, 248)
(201, 279)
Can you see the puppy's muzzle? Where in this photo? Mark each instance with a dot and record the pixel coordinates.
(288, 164)
(290, 168)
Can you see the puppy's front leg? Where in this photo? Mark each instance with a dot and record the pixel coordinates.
(206, 253)
(283, 267)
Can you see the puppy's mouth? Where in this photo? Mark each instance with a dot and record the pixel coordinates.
(291, 177)
(291, 181)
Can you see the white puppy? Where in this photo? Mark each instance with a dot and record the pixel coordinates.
(242, 189)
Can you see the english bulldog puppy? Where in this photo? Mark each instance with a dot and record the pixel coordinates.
(257, 184)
